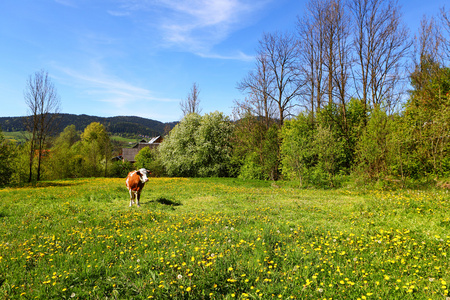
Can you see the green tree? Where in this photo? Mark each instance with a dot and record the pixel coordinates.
(213, 141)
(329, 149)
(345, 126)
(255, 144)
(144, 158)
(198, 146)
(65, 160)
(149, 158)
(96, 149)
(7, 153)
(120, 169)
(400, 160)
(298, 155)
(178, 150)
(427, 112)
(373, 146)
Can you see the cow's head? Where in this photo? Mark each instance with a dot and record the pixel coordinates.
(143, 174)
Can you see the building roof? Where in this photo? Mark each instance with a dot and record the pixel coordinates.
(154, 139)
(130, 153)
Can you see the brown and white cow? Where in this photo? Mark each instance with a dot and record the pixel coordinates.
(135, 183)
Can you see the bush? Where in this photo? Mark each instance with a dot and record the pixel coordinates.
(297, 149)
(120, 169)
(251, 169)
(7, 153)
(372, 148)
(144, 158)
(149, 159)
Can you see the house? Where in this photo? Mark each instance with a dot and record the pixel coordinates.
(130, 153)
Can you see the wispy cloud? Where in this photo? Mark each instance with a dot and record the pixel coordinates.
(238, 56)
(109, 89)
(194, 25)
(66, 3)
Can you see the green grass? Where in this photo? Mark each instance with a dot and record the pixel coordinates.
(16, 136)
(124, 140)
(221, 239)
(20, 137)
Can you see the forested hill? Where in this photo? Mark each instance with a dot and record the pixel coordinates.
(121, 125)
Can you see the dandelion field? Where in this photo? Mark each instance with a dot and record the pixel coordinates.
(221, 239)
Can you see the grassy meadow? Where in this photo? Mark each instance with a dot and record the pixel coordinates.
(16, 136)
(23, 136)
(222, 239)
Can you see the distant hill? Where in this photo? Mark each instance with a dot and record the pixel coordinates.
(122, 125)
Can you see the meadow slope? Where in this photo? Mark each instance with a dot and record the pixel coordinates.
(221, 239)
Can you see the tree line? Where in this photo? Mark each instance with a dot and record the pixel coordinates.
(347, 92)
(126, 126)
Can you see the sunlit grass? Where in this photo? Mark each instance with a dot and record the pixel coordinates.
(221, 239)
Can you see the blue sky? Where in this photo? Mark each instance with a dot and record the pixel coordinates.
(141, 57)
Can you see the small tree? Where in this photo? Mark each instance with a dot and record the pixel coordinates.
(120, 169)
(373, 146)
(329, 150)
(191, 104)
(144, 158)
(43, 103)
(64, 163)
(248, 143)
(97, 147)
(297, 149)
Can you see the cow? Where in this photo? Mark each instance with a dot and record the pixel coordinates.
(135, 183)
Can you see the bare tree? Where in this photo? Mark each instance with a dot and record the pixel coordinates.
(339, 22)
(445, 18)
(192, 103)
(258, 85)
(310, 29)
(381, 43)
(429, 42)
(273, 86)
(44, 106)
(281, 55)
(428, 54)
(325, 53)
(331, 22)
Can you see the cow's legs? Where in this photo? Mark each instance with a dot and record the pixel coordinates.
(138, 197)
(131, 197)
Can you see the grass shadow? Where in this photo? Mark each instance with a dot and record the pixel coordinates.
(166, 201)
(54, 184)
(45, 184)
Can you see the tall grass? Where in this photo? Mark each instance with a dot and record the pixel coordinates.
(221, 239)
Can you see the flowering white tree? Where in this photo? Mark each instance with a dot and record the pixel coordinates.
(198, 146)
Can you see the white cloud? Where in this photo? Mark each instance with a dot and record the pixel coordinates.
(109, 89)
(194, 25)
(238, 56)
